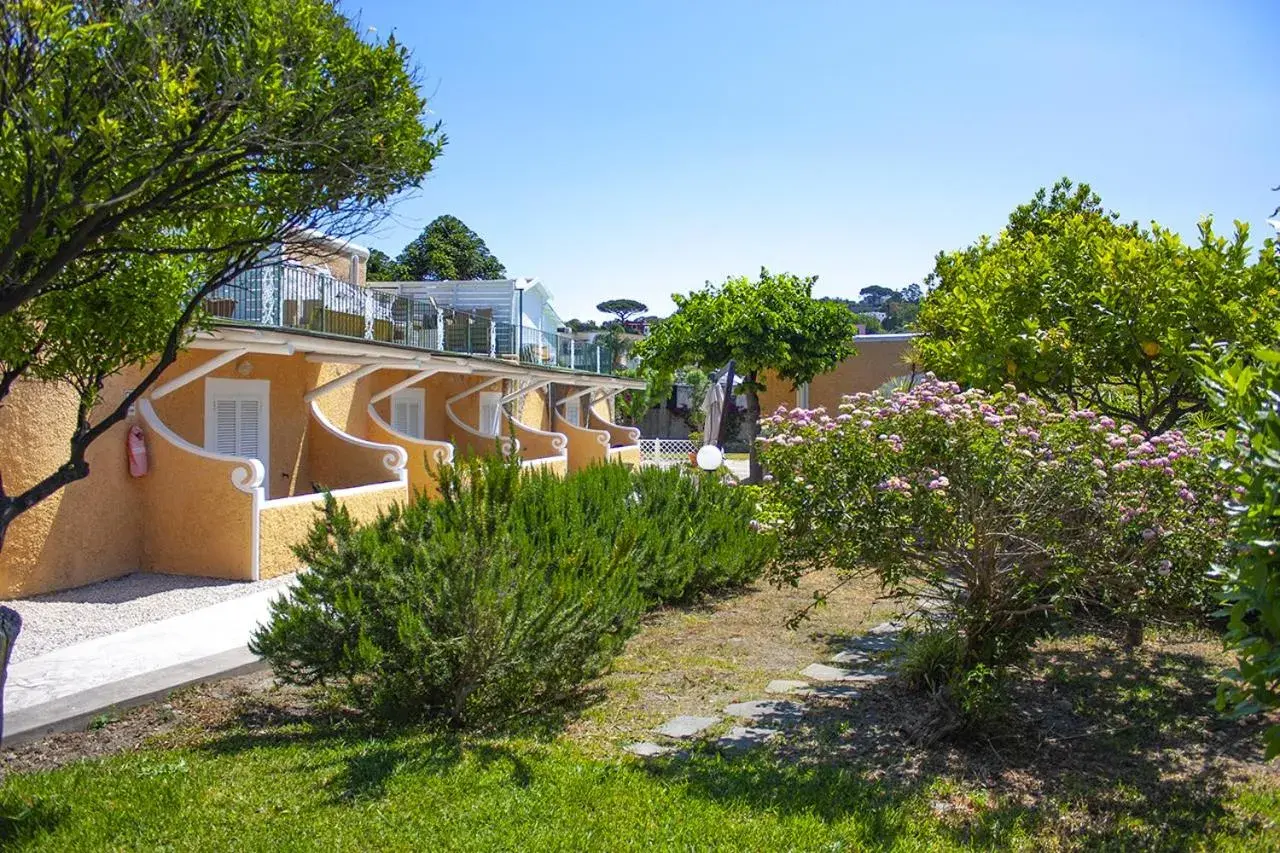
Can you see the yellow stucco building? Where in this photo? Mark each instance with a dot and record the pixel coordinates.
(308, 383)
(879, 358)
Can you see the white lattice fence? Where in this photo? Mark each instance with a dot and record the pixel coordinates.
(666, 452)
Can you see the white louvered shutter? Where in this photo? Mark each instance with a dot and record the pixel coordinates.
(489, 412)
(226, 414)
(573, 413)
(236, 418)
(400, 421)
(407, 412)
(248, 436)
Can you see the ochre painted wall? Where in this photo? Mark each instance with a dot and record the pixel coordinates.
(196, 522)
(619, 436)
(337, 463)
(586, 446)
(629, 455)
(555, 464)
(86, 532)
(876, 362)
(424, 458)
(346, 407)
(535, 444)
(283, 525)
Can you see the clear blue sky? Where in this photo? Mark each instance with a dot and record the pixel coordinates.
(633, 150)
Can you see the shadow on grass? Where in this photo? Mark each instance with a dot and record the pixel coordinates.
(23, 821)
(370, 753)
(1099, 748)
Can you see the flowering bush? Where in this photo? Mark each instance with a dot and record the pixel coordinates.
(996, 510)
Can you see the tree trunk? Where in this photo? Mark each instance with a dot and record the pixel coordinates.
(754, 473)
(10, 625)
(1133, 631)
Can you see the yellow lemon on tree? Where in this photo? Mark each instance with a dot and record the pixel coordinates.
(1150, 348)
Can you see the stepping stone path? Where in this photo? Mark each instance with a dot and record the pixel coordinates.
(768, 710)
(856, 656)
(861, 656)
(831, 691)
(685, 727)
(782, 685)
(648, 749)
(822, 672)
(742, 738)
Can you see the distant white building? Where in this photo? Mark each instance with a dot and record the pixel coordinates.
(519, 301)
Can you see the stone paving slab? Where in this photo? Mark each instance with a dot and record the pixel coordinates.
(831, 691)
(783, 685)
(648, 749)
(873, 643)
(884, 628)
(868, 677)
(822, 672)
(686, 726)
(770, 710)
(742, 738)
(851, 655)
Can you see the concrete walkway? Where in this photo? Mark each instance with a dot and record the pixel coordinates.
(65, 688)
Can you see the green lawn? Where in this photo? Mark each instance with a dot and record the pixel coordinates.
(1104, 749)
(303, 789)
(298, 787)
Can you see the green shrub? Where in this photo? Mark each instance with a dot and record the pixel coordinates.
(965, 696)
(1245, 388)
(510, 589)
(446, 608)
(694, 534)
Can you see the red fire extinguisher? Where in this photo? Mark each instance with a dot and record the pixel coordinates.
(137, 452)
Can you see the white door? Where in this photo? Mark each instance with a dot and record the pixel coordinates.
(490, 401)
(236, 417)
(409, 412)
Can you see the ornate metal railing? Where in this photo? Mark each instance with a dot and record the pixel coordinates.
(288, 296)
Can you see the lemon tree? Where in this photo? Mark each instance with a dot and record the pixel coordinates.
(1084, 310)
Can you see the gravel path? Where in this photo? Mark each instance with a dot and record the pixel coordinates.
(64, 618)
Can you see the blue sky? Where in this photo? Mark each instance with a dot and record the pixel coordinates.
(639, 149)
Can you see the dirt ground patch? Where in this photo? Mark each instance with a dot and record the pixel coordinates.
(696, 660)
(187, 716)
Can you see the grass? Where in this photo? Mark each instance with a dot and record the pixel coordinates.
(1101, 748)
(304, 787)
(314, 785)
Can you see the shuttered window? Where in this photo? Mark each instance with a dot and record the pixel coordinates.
(489, 403)
(409, 412)
(573, 412)
(236, 417)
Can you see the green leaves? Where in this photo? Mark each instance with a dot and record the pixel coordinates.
(1073, 305)
(772, 323)
(151, 151)
(1244, 386)
(447, 250)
